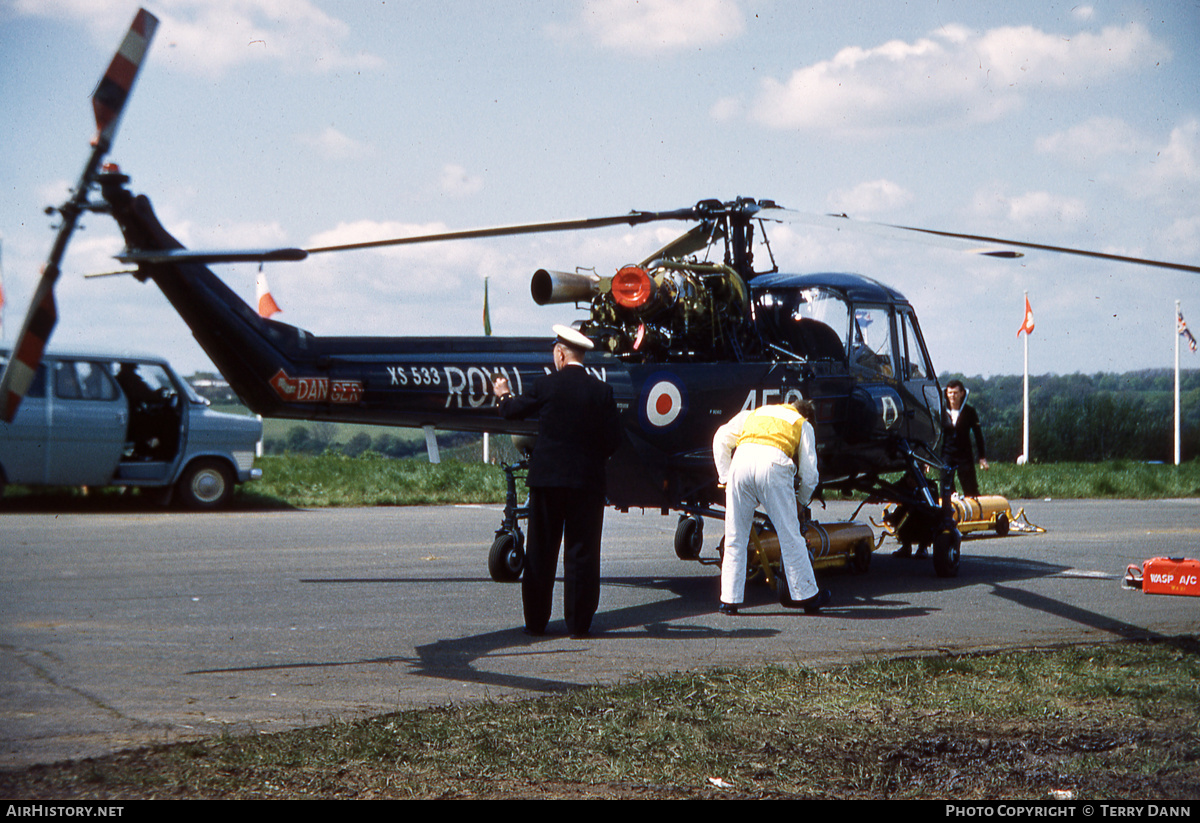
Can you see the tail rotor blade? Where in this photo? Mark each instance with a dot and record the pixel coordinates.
(108, 101)
(27, 355)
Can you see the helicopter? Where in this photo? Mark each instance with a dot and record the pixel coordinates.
(694, 333)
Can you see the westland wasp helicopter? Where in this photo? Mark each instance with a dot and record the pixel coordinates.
(687, 337)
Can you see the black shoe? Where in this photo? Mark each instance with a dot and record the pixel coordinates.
(814, 604)
(922, 551)
(533, 632)
(903, 551)
(727, 608)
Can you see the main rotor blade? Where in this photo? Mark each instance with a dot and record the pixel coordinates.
(1120, 258)
(840, 222)
(108, 101)
(995, 246)
(632, 219)
(691, 241)
(207, 257)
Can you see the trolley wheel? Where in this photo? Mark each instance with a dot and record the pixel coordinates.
(506, 560)
(946, 552)
(1002, 524)
(689, 537)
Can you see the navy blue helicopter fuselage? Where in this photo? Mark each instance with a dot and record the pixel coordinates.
(863, 365)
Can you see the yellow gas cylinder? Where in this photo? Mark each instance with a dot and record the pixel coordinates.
(831, 546)
(974, 514)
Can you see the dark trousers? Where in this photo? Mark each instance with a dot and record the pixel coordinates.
(965, 472)
(575, 519)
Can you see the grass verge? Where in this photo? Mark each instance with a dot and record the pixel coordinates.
(1119, 720)
(333, 479)
(1114, 479)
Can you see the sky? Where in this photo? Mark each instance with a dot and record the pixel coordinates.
(309, 122)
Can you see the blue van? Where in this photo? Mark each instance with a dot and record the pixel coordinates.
(105, 420)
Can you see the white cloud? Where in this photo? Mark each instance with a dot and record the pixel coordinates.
(1163, 170)
(54, 194)
(639, 25)
(210, 37)
(950, 77)
(1031, 209)
(870, 197)
(725, 109)
(1092, 139)
(1182, 237)
(1177, 164)
(248, 235)
(334, 144)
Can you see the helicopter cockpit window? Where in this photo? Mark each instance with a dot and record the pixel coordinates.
(871, 346)
(916, 358)
(809, 323)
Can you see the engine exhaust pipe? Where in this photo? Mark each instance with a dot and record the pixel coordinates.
(563, 287)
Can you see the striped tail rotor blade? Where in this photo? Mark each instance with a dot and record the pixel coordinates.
(113, 90)
(107, 102)
(31, 343)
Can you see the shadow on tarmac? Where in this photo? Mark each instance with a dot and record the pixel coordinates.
(880, 594)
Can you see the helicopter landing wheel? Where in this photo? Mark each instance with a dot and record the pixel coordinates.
(506, 560)
(946, 552)
(689, 537)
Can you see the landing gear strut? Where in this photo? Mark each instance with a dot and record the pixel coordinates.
(506, 559)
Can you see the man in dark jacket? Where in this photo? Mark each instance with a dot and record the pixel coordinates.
(959, 422)
(578, 429)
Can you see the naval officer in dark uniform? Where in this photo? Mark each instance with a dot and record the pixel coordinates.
(578, 430)
(960, 422)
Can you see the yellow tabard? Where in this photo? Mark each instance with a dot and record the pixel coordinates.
(779, 426)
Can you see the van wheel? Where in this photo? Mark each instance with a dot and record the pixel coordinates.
(205, 484)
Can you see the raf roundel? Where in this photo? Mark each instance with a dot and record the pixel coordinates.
(663, 403)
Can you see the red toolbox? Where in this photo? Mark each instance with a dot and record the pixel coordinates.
(1166, 575)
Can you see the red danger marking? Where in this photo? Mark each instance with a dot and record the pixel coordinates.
(345, 391)
(315, 389)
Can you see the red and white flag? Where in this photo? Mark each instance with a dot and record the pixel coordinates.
(1027, 323)
(1183, 330)
(266, 303)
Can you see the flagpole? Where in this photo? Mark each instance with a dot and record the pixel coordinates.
(1027, 327)
(1178, 314)
(487, 330)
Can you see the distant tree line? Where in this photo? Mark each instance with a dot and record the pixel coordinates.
(317, 438)
(1086, 418)
(1074, 417)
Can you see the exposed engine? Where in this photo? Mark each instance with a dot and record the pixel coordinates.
(669, 310)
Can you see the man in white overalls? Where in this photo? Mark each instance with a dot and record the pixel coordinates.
(757, 454)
